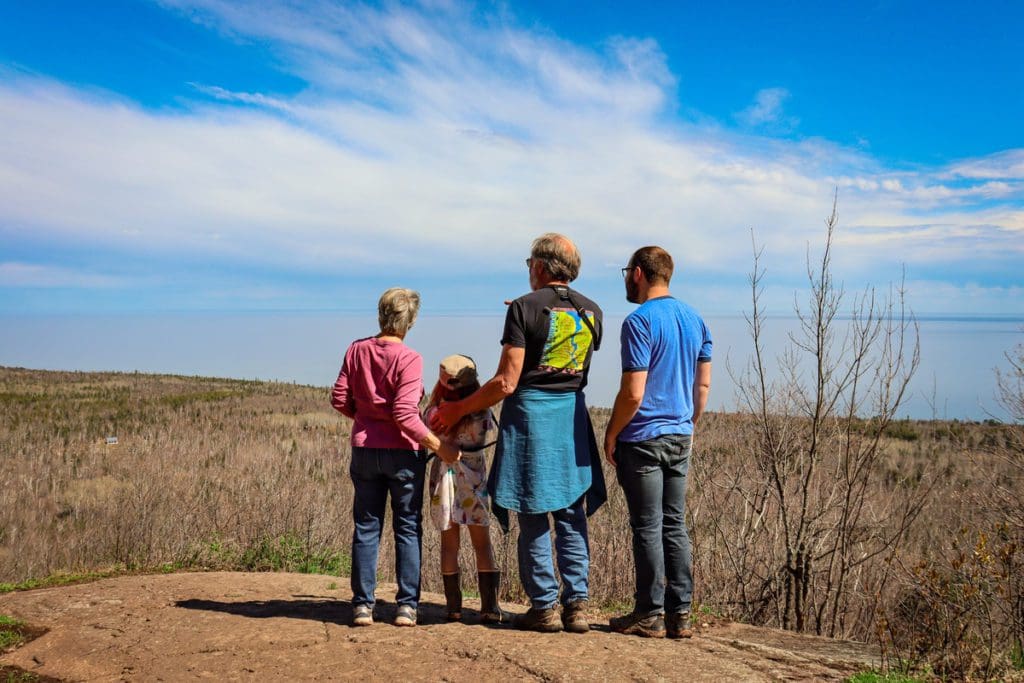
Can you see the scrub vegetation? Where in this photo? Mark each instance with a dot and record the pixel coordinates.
(257, 479)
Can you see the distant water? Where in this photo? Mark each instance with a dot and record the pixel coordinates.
(956, 377)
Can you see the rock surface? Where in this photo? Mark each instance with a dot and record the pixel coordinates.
(240, 626)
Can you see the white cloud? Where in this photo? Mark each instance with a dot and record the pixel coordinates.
(1007, 165)
(15, 274)
(767, 110)
(257, 99)
(427, 136)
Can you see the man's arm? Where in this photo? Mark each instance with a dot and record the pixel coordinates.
(627, 402)
(701, 387)
(504, 382)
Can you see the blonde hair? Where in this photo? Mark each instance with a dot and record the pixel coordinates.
(397, 310)
(559, 255)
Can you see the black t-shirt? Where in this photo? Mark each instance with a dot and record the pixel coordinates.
(558, 343)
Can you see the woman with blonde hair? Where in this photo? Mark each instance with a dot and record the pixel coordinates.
(380, 386)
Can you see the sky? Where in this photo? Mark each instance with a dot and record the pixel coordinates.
(213, 155)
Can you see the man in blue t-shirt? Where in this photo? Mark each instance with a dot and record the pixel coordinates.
(666, 376)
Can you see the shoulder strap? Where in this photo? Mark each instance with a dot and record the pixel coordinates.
(565, 295)
(477, 449)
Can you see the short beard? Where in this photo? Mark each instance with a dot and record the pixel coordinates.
(632, 293)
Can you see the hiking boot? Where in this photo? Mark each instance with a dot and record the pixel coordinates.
(678, 625)
(544, 620)
(645, 626)
(362, 615)
(574, 619)
(490, 610)
(406, 616)
(452, 597)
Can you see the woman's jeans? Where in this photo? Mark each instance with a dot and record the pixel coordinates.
(653, 477)
(377, 472)
(537, 571)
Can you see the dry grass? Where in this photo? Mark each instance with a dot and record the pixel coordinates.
(213, 473)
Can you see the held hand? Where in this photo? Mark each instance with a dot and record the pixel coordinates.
(609, 450)
(445, 417)
(449, 454)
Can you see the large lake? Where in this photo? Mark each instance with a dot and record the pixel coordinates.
(956, 377)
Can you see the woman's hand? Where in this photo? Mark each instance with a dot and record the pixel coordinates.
(448, 453)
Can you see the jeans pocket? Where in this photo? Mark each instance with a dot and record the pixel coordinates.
(409, 465)
(362, 464)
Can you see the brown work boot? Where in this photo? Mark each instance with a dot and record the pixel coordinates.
(544, 620)
(452, 597)
(574, 619)
(645, 626)
(678, 625)
(490, 610)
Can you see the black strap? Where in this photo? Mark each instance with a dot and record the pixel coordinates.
(564, 294)
(477, 449)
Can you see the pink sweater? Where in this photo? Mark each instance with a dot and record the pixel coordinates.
(380, 387)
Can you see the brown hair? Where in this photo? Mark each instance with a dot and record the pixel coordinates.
(655, 263)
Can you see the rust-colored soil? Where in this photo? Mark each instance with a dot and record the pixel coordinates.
(238, 626)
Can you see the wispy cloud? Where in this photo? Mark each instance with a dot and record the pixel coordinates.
(32, 275)
(431, 134)
(257, 99)
(768, 111)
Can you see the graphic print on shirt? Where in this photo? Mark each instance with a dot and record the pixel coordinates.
(568, 341)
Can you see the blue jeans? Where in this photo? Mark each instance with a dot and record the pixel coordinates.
(377, 472)
(536, 569)
(653, 477)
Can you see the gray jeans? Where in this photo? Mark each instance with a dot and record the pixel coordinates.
(653, 477)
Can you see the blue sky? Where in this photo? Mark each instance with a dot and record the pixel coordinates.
(220, 155)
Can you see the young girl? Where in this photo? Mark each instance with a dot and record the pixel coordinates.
(459, 492)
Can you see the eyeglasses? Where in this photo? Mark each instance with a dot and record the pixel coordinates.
(626, 271)
(529, 263)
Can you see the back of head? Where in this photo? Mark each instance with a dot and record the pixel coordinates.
(558, 254)
(655, 263)
(397, 310)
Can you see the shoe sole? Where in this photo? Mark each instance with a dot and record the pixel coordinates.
(640, 631)
(405, 618)
(539, 628)
(680, 635)
(643, 633)
(581, 628)
(362, 622)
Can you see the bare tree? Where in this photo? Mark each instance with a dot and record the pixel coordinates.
(821, 417)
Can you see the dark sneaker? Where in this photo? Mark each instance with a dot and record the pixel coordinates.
(574, 619)
(678, 625)
(544, 620)
(362, 615)
(639, 625)
(406, 616)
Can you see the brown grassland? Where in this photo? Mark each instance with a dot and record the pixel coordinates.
(224, 474)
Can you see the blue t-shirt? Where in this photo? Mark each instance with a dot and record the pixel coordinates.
(667, 338)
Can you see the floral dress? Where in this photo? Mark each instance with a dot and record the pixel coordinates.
(458, 492)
